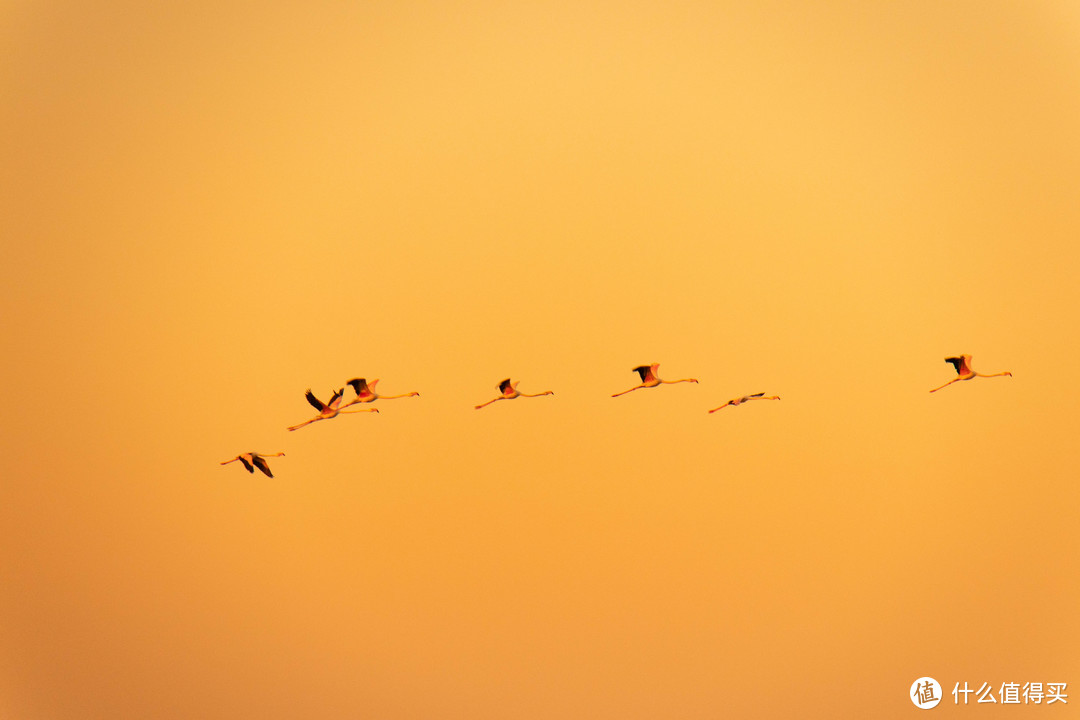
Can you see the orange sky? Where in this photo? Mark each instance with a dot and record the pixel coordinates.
(207, 208)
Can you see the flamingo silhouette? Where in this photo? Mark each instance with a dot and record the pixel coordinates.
(328, 410)
(365, 392)
(964, 371)
(649, 379)
(509, 392)
(746, 398)
(252, 460)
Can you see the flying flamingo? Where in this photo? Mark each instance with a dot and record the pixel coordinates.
(252, 460)
(509, 392)
(328, 410)
(649, 379)
(746, 398)
(365, 392)
(964, 371)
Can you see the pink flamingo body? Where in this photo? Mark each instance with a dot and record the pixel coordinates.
(365, 392)
(962, 365)
(509, 391)
(650, 379)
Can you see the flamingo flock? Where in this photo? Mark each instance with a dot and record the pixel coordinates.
(364, 392)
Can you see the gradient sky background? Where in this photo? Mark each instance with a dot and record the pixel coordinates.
(209, 207)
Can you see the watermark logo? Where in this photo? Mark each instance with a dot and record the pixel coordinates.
(1011, 693)
(925, 693)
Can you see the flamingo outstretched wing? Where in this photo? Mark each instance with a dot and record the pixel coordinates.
(261, 464)
(315, 402)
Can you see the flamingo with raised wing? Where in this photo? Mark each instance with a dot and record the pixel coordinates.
(328, 410)
(365, 392)
(650, 379)
(964, 371)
